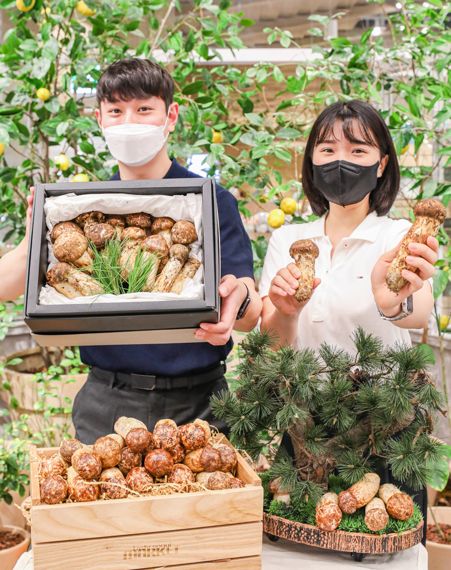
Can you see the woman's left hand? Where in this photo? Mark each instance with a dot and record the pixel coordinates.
(421, 256)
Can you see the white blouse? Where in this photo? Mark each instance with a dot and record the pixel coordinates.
(343, 300)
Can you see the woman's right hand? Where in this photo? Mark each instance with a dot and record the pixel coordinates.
(283, 288)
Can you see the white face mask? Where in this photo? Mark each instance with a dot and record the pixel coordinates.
(135, 144)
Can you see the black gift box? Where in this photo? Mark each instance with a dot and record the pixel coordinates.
(132, 322)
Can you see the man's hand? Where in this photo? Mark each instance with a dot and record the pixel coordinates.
(422, 257)
(232, 292)
(30, 199)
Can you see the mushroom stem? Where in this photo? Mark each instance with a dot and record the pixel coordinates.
(188, 271)
(178, 256)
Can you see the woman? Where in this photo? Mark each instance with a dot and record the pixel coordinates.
(351, 177)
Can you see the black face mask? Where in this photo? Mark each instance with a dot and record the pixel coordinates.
(343, 182)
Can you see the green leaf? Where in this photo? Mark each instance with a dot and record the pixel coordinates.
(440, 281)
(428, 352)
(41, 65)
(438, 477)
(193, 88)
(254, 119)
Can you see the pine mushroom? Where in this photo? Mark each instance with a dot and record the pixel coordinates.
(188, 271)
(184, 232)
(304, 252)
(99, 233)
(178, 255)
(328, 514)
(71, 282)
(89, 217)
(157, 246)
(399, 505)
(69, 246)
(359, 494)
(162, 226)
(429, 215)
(376, 516)
(140, 220)
(63, 228)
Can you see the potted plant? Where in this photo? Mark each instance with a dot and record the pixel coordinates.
(347, 415)
(14, 540)
(439, 528)
(41, 384)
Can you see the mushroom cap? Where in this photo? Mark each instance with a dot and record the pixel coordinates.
(156, 244)
(304, 246)
(133, 233)
(179, 251)
(116, 220)
(162, 223)
(100, 233)
(64, 227)
(70, 246)
(140, 219)
(431, 208)
(59, 272)
(90, 217)
(183, 232)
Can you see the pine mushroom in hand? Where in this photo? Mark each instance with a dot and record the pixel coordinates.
(304, 252)
(429, 215)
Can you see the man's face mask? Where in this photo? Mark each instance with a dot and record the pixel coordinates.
(343, 182)
(135, 144)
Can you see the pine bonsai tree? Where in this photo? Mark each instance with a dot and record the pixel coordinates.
(344, 413)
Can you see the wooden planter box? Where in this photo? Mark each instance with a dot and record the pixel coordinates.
(213, 530)
(354, 542)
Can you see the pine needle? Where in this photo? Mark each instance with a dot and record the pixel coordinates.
(106, 267)
(142, 267)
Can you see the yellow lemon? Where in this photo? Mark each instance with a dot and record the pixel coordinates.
(25, 5)
(217, 137)
(288, 206)
(62, 161)
(83, 9)
(82, 177)
(276, 218)
(43, 94)
(2, 148)
(444, 322)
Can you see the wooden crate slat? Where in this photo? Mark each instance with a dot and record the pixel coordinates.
(73, 521)
(166, 549)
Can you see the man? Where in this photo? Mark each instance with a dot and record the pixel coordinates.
(136, 113)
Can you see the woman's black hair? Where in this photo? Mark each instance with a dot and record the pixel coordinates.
(135, 78)
(374, 132)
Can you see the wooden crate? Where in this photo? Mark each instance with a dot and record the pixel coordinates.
(204, 530)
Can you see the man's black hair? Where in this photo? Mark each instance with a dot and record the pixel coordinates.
(135, 78)
(374, 132)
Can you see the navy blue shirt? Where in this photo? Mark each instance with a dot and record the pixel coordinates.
(179, 359)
